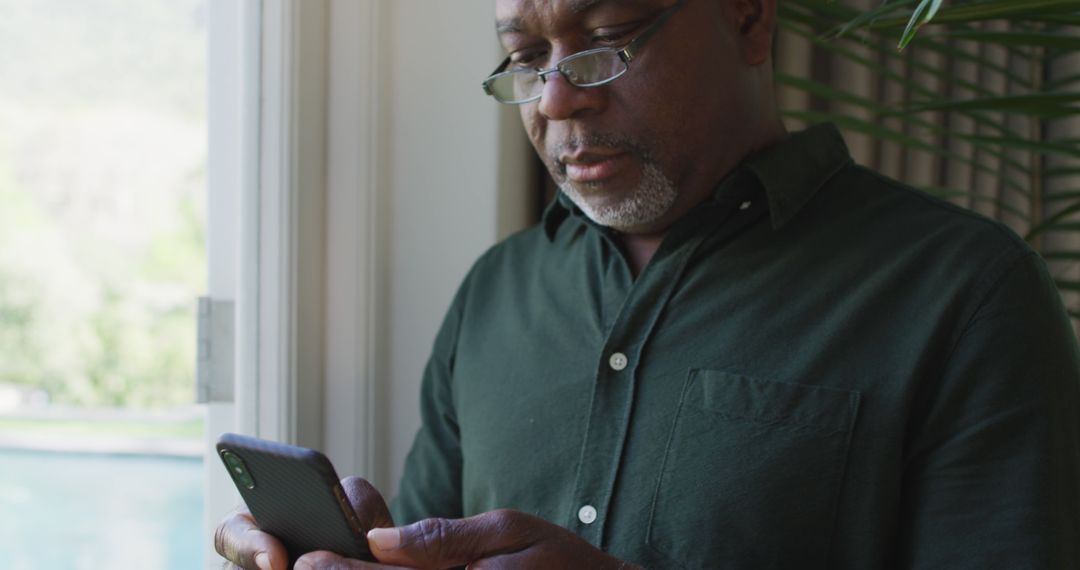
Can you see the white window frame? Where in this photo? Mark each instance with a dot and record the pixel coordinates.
(232, 180)
(339, 278)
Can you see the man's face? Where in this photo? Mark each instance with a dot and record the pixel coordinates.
(638, 153)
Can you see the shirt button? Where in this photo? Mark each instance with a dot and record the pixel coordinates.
(587, 514)
(617, 361)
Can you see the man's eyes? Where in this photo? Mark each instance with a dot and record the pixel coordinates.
(611, 36)
(614, 36)
(522, 60)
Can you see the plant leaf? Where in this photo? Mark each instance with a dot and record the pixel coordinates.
(923, 14)
(1062, 171)
(1063, 148)
(1054, 255)
(832, 94)
(1047, 40)
(1051, 222)
(1044, 105)
(883, 133)
(1064, 227)
(790, 11)
(869, 16)
(1069, 286)
(1039, 10)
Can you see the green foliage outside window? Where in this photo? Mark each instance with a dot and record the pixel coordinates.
(102, 207)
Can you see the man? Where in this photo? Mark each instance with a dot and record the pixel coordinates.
(725, 346)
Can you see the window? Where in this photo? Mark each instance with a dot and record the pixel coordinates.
(102, 255)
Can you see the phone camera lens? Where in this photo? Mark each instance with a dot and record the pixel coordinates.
(237, 469)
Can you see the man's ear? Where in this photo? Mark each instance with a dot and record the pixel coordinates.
(756, 22)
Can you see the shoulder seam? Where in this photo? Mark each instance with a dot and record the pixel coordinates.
(984, 288)
(998, 226)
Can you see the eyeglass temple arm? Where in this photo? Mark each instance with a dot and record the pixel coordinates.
(630, 51)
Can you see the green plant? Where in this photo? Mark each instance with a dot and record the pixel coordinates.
(986, 87)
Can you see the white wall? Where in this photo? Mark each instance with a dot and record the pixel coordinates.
(450, 178)
(443, 187)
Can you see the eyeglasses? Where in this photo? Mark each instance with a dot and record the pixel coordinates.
(590, 68)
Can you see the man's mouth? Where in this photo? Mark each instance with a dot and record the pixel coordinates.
(587, 167)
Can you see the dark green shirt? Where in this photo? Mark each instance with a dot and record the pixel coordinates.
(820, 368)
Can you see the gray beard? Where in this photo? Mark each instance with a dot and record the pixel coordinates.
(652, 198)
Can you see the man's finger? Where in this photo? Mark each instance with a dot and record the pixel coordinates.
(368, 503)
(446, 543)
(239, 540)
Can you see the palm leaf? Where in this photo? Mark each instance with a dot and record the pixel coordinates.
(1051, 222)
(809, 12)
(1047, 40)
(1044, 105)
(1012, 10)
(924, 13)
(880, 132)
(1062, 255)
(986, 144)
(1006, 126)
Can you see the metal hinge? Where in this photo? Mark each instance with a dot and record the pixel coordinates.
(214, 371)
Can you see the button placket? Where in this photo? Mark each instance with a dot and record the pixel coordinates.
(612, 402)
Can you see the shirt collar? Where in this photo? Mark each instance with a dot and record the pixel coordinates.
(555, 213)
(790, 172)
(793, 170)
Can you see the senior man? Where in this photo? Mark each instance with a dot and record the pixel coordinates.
(725, 346)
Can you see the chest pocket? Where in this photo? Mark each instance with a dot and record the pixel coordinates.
(752, 473)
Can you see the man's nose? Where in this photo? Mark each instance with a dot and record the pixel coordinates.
(561, 100)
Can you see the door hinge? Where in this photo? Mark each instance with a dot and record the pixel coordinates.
(214, 370)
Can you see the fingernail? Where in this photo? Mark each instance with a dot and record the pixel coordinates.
(262, 560)
(384, 538)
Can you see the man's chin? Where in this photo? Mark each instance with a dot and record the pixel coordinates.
(592, 199)
(626, 217)
(630, 206)
(651, 227)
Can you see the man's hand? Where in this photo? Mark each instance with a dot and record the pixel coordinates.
(496, 539)
(239, 540)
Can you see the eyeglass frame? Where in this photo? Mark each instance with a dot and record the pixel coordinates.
(626, 54)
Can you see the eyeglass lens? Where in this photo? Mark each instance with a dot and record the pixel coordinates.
(583, 70)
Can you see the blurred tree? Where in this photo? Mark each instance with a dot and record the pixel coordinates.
(102, 182)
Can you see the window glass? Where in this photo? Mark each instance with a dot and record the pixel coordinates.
(102, 255)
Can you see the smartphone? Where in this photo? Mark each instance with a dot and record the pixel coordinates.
(294, 495)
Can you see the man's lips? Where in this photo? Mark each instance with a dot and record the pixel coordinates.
(593, 166)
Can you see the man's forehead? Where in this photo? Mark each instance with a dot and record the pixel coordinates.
(519, 15)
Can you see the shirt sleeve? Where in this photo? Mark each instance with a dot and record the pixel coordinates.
(992, 463)
(431, 483)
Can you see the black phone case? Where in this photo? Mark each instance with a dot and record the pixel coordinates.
(297, 497)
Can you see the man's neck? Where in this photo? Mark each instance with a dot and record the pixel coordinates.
(640, 246)
(639, 249)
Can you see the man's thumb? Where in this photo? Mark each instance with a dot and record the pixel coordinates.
(425, 544)
(447, 543)
(384, 539)
(444, 543)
